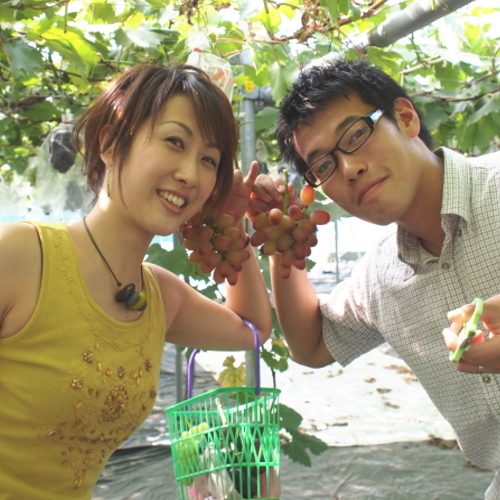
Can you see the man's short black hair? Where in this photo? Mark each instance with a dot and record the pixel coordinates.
(317, 86)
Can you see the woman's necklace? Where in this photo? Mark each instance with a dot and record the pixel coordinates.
(133, 300)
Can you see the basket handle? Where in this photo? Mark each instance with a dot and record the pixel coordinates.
(190, 368)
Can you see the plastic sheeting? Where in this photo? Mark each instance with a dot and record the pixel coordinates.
(415, 468)
(374, 400)
(397, 471)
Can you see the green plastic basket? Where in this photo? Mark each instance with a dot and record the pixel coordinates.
(225, 443)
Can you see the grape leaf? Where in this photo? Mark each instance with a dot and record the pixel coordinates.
(297, 448)
(23, 58)
(282, 79)
(289, 418)
(266, 118)
(232, 376)
(175, 260)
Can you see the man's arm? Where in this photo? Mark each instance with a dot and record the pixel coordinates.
(297, 307)
(295, 300)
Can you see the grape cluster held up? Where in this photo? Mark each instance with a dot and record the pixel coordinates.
(217, 245)
(290, 233)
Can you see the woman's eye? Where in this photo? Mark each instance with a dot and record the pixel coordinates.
(175, 141)
(211, 161)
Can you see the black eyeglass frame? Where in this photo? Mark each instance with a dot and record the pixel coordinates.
(370, 120)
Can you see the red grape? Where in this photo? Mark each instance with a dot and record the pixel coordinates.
(257, 239)
(261, 222)
(287, 224)
(307, 225)
(275, 216)
(307, 195)
(320, 217)
(294, 211)
(290, 235)
(213, 260)
(223, 243)
(217, 245)
(284, 242)
(273, 233)
(205, 248)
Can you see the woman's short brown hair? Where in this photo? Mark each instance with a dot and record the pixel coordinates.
(139, 94)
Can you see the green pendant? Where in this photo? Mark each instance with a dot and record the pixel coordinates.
(134, 301)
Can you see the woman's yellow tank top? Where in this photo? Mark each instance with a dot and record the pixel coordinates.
(74, 382)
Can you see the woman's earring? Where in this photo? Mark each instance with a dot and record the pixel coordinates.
(108, 190)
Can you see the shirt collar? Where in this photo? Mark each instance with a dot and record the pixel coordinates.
(456, 202)
(457, 184)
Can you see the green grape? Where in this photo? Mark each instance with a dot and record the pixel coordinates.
(188, 451)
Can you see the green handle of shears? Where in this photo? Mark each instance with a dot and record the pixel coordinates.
(468, 331)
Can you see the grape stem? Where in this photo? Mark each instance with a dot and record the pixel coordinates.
(286, 196)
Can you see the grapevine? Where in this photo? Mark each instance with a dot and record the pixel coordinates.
(291, 232)
(217, 245)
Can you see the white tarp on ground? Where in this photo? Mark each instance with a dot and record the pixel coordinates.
(374, 400)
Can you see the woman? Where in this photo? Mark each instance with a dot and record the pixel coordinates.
(82, 318)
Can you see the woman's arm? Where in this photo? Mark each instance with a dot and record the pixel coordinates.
(195, 321)
(20, 276)
(249, 298)
(202, 323)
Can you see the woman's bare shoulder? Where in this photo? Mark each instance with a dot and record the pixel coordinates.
(167, 279)
(20, 274)
(18, 241)
(173, 288)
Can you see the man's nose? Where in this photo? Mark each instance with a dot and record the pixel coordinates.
(350, 165)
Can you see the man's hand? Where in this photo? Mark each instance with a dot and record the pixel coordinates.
(268, 192)
(484, 353)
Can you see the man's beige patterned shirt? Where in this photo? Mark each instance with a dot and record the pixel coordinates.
(400, 294)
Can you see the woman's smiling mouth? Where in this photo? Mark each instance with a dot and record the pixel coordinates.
(173, 199)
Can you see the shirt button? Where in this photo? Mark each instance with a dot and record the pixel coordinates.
(486, 378)
(445, 266)
(459, 232)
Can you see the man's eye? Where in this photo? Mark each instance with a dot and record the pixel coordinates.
(324, 167)
(358, 136)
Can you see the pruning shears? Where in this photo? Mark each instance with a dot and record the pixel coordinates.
(468, 331)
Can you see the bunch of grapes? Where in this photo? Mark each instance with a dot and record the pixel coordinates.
(188, 451)
(217, 245)
(291, 233)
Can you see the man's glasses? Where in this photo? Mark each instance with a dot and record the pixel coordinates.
(351, 140)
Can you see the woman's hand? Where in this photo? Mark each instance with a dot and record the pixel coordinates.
(238, 199)
(483, 355)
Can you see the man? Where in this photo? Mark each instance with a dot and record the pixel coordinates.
(349, 128)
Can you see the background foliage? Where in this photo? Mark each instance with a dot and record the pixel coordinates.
(58, 55)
